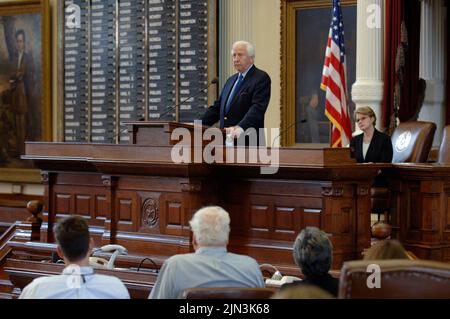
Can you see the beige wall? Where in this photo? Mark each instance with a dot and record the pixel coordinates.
(256, 21)
(267, 41)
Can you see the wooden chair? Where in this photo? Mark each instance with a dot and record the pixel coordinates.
(444, 149)
(411, 142)
(399, 278)
(228, 293)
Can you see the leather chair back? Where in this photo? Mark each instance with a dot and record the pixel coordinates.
(228, 293)
(412, 141)
(400, 278)
(444, 149)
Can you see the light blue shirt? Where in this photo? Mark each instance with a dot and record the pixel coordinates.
(207, 267)
(83, 284)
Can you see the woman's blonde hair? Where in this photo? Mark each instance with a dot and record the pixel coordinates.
(386, 249)
(366, 110)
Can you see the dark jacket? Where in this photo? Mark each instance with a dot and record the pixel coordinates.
(248, 106)
(380, 148)
(326, 282)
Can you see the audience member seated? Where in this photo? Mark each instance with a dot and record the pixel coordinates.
(304, 291)
(78, 280)
(313, 253)
(386, 249)
(211, 265)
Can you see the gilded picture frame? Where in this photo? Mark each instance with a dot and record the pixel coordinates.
(25, 84)
(304, 33)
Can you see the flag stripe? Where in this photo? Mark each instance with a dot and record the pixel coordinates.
(334, 81)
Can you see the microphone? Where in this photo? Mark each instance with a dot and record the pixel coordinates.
(174, 106)
(287, 128)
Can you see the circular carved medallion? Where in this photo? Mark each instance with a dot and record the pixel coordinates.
(150, 214)
(403, 141)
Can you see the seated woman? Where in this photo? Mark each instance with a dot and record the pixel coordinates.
(386, 249)
(371, 146)
(313, 253)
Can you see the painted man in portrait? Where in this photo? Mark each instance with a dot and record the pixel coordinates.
(22, 87)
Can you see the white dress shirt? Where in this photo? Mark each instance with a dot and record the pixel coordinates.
(76, 283)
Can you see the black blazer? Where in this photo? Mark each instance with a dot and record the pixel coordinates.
(248, 106)
(326, 282)
(380, 148)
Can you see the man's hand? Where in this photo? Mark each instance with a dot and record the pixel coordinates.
(234, 131)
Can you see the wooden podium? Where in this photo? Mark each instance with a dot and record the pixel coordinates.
(136, 196)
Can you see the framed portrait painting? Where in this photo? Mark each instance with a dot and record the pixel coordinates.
(25, 92)
(305, 28)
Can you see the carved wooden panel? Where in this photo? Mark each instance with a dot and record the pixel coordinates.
(83, 205)
(125, 208)
(62, 203)
(174, 215)
(312, 217)
(285, 220)
(260, 218)
(431, 218)
(415, 214)
(100, 207)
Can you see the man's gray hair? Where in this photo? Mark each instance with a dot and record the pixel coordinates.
(313, 252)
(250, 48)
(211, 226)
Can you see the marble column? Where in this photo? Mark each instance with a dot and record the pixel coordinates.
(433, 64)
(368, 88)
(235, 23)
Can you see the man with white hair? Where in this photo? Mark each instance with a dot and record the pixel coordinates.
(244, 98)
(211, 265)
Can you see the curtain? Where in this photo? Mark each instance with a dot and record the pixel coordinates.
(394, 17)
(447, 111)
(401, 71)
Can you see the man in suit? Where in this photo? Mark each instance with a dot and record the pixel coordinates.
(244, 98)
(22, 86)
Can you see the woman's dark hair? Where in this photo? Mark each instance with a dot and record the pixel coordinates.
(313, 252)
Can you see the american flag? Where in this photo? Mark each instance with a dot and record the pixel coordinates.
(334, 81)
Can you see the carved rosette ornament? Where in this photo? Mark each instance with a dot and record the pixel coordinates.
(107, 180)
(333, 191)
(150, 213)
(45, 177)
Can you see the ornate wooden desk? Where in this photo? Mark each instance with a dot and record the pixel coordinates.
(136, 196)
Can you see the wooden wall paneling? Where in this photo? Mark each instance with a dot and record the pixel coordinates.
(363, 211)
(446, 215)
(338, 206)
(110, 226)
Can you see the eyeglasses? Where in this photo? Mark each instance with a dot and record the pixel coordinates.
(361, 119)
